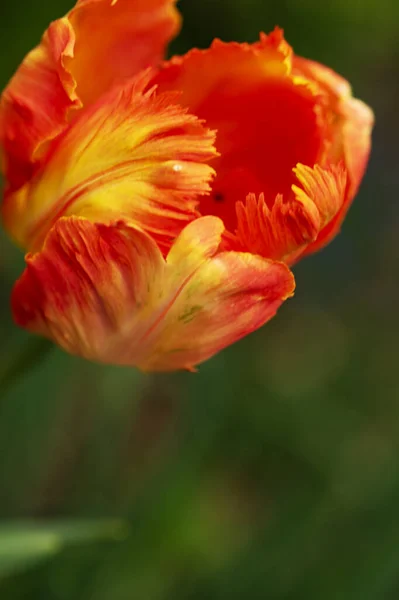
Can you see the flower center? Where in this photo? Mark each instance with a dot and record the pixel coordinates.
(262, 133)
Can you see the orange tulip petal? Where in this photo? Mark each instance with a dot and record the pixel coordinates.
(284, 231)
(266, 119)
(97, 44)
(107, 294)
(134, 155)
(352, 125)
(115, 39)
(35, 104)
(353, 118)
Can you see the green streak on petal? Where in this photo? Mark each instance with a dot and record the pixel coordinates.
(189, 314)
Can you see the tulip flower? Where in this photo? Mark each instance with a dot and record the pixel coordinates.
(162, 203)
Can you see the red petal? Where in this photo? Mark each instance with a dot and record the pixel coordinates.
(35, 104)
(266, 120)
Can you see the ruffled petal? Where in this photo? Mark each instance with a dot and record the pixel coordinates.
(106, 293)
(352, 123)
(284, 231)
(134, 155)
(99, 43)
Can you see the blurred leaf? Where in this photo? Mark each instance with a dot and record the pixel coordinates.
(25, 543)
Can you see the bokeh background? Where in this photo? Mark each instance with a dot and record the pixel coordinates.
(273, 473)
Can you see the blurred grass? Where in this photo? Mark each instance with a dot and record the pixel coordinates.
(273, 473)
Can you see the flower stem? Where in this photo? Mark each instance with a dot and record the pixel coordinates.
(32, 353)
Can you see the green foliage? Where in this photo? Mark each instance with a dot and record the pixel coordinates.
(23, 544)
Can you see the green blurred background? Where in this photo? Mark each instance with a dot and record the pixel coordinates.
(273, 473)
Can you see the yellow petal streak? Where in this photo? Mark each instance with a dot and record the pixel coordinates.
(133, 155)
